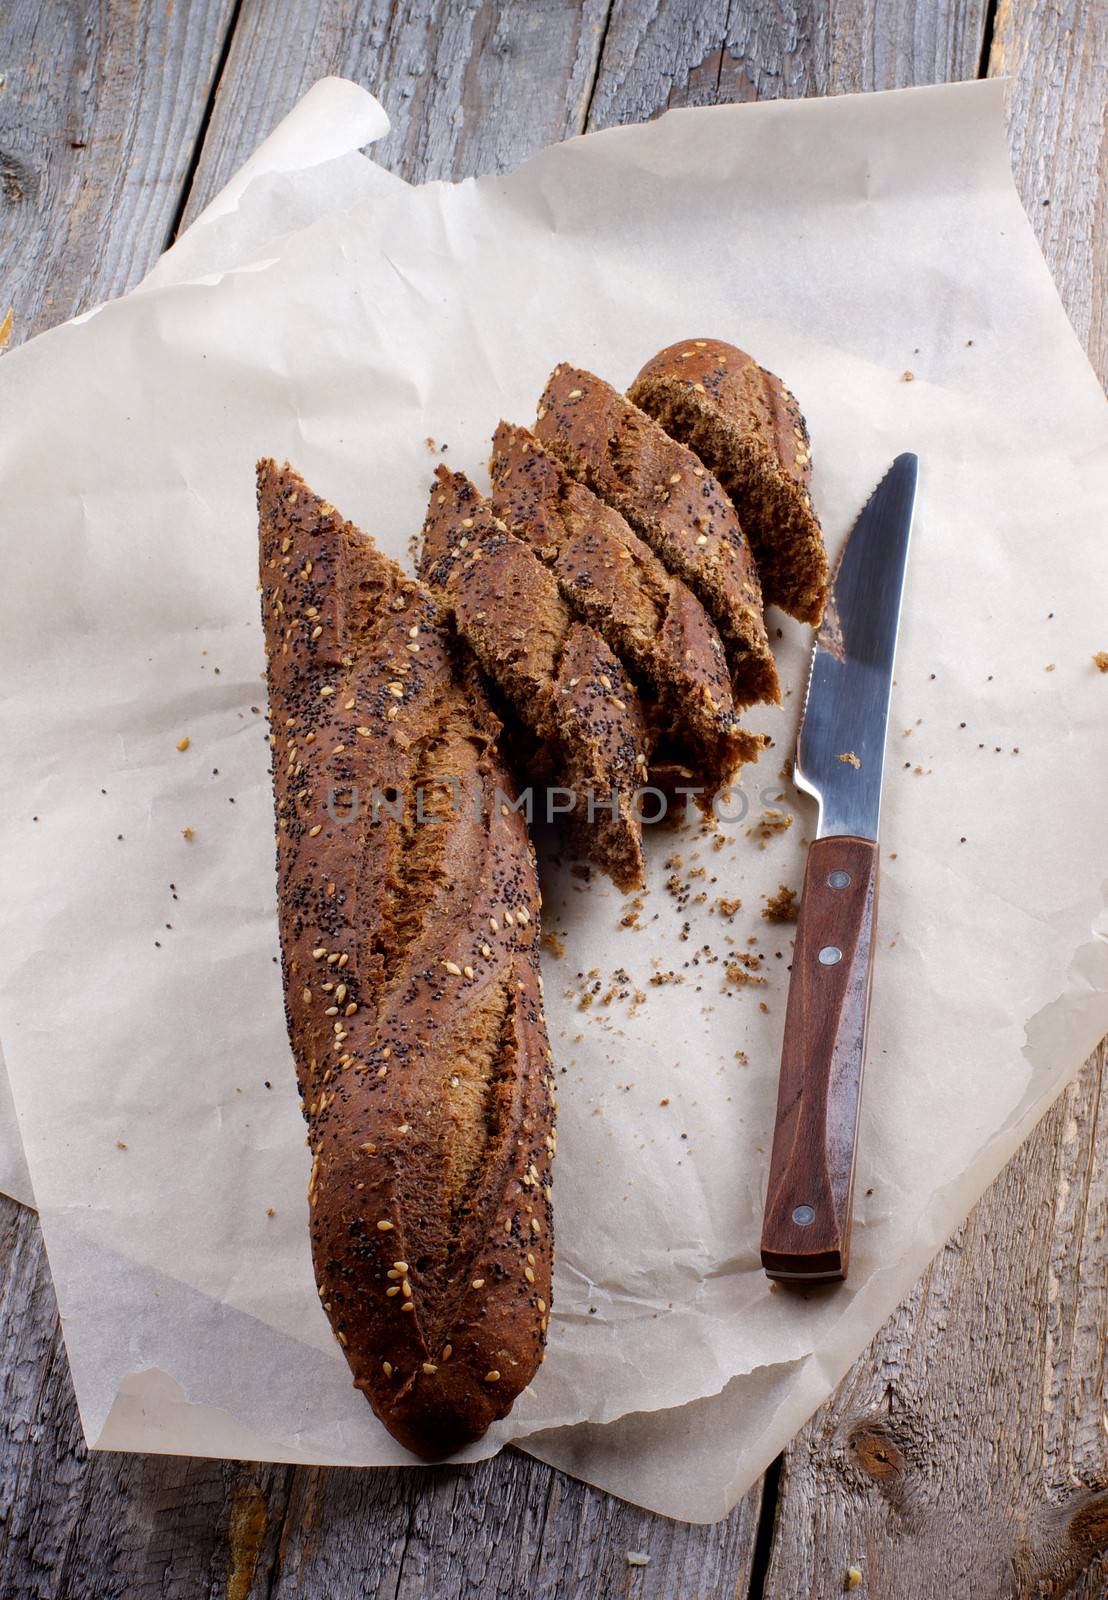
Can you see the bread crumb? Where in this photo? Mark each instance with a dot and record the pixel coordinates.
(1049, 666)
(637, 1558)
(187, 833)
(907, 377)
(853, 1577)
(770, 822)
(430, 443)
(1100, 660)
(735, 972)
(269, 1211)
(183, 744)
(556, 945)
(120, 1145)
(848, 755)
(659, 978)
(727, 908)
(782, 906)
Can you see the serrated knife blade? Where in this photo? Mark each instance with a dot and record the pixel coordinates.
(840, 759)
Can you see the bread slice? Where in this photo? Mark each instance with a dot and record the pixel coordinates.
(559, 676)
(408, 908)
(612, 580)
(671, 500)
(747, 428)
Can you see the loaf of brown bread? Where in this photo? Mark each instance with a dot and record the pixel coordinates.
(613, 581)
(748, 430)
(408, 909)
(558, 675)
(671, 499)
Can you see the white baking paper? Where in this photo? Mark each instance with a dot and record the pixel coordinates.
(846, 243)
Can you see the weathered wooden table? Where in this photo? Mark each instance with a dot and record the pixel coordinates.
(965, 1454)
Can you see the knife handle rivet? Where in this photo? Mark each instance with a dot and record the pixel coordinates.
(829, 955)
(804, 1216)
(839, 880)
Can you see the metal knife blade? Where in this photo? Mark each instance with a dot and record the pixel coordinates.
(841, 749)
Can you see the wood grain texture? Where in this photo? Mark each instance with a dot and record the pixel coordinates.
(100, 108)
(707, 52)
(469, 85)
(1056, 54)
(812, 1163)
(973, 1384)
(964, 1454)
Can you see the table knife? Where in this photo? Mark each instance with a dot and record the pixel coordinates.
(839, 759)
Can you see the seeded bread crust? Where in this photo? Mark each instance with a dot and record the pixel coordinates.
(672, 501)
(613, 581)
(412, 992)
(748, 429)
(559, 675)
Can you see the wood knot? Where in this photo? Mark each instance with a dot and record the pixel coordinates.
(1088, 1525)
(876, 1453)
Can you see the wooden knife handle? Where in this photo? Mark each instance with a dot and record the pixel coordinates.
(806, 1229)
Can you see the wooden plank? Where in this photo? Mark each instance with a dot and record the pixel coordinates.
(469, 85)
(1056, 55)
(100, 109)
(952, 1458)
(707, 52)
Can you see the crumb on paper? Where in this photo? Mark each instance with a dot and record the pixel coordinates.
(727, 908)
(269, 1211)
(769, 823)
(553, 943)
(119, 1144)
(637, 1558)
(188, 833)
(782, 906)
(849, 757)
(6, 328)
(1049, 666)
(742, 1058)
(907, 377)
(1100, 661)
(183, 744)
(739, 974)
(430, 443)
(660, 978)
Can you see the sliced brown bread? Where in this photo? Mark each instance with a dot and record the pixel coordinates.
(748, 430)
(671, 499)
(612, 580)
(559, 676)
(408, 913)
